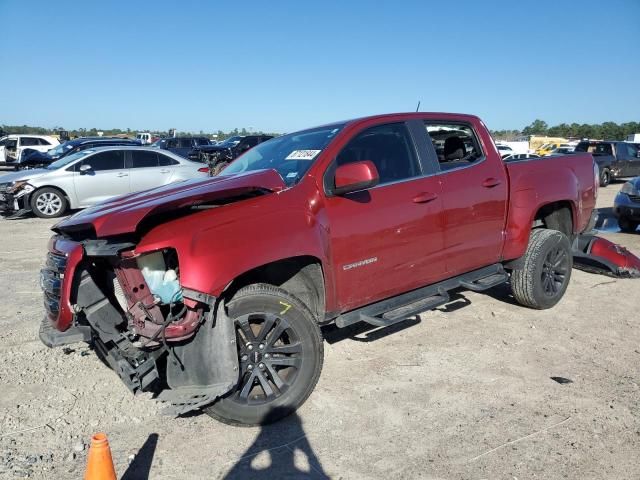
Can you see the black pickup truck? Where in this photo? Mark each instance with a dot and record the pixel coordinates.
(219, 155)
(615, 159)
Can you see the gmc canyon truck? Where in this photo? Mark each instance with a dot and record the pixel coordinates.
(211, 293)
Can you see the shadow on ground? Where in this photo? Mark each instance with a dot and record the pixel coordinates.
(140, 467)
(280, 450)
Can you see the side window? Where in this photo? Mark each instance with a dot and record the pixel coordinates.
(456, 145)
(252, 142)
(172, 143)
(166, 161)
(28, 142)
(142, 159)
(603, 149)
(632, 150)
(390, 149)
(111, 160)
(42, 141)
(186, 143)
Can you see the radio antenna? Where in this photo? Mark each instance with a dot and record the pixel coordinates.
(418, 107)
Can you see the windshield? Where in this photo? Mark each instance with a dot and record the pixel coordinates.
(59, 150)
(290, 155)
(68, 159)
(230, 142)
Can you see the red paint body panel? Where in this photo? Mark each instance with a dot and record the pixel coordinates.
(371, 244)
(74, 253)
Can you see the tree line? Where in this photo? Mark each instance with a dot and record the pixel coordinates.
(108, 132)
(604, 131)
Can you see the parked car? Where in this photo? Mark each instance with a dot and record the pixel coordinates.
(615, 159)
(562, 150)
(211, 292)
(547, 148)
(219, 155)
(180, 145)
(15, 148)
(90, 176)
(504, 150)
(520, 156)
(626, 206)
(39, 159)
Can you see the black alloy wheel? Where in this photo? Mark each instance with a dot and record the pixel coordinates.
(554, 271)
(280, 355)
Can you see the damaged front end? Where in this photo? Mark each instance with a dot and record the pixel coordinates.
(15, 199)
(130, 307)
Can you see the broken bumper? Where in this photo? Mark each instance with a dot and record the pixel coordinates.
(14, 205)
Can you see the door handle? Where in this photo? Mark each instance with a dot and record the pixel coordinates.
(424, 197)
(491, 182)
(165, 171)
(120, 175)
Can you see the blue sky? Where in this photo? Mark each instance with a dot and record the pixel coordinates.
(281, 66)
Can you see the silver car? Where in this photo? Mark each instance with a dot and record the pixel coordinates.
(90, 176)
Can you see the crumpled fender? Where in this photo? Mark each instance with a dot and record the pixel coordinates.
(598, 255)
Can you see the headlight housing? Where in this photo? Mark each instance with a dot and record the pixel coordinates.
(19, 188)
(630, 189)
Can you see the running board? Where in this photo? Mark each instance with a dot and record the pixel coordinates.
(397, 309)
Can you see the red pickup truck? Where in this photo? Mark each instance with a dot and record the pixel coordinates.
(211, 293)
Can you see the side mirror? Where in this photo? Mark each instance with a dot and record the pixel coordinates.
(84, 169)
(355, 176)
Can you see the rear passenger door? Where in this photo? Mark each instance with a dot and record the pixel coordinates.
(108, 177)
(474, 196)
(145, 170)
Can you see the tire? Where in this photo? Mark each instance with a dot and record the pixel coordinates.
(627, 225)
(605, 177)
(49, 202)
(546, 272)
(277, 379)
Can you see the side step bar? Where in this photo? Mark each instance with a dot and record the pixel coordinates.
(397, 309)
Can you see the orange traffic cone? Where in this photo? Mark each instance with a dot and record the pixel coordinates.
(99, 461)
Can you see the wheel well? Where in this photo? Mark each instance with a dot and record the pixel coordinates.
(300, 276)
(49, 186)
(556, 216)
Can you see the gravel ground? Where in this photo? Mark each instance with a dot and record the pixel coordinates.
(463, 393)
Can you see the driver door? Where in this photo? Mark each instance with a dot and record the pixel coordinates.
(387, 239)
(107, 177)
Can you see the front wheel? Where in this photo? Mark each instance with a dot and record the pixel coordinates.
(605, 177)
(280, 355)
(49, 203)
(545, 275)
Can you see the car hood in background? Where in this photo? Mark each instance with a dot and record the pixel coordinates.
(122, 215)
(23, 175)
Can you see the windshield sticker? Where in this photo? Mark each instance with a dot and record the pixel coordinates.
(303, 155)
(292, 175)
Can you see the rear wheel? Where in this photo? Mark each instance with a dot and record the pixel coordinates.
(627, 225)
(546, 272)
(280, 355)
(49, 203)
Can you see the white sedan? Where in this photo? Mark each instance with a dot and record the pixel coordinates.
(91, 176)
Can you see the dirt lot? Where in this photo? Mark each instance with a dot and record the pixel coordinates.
(463, 393)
